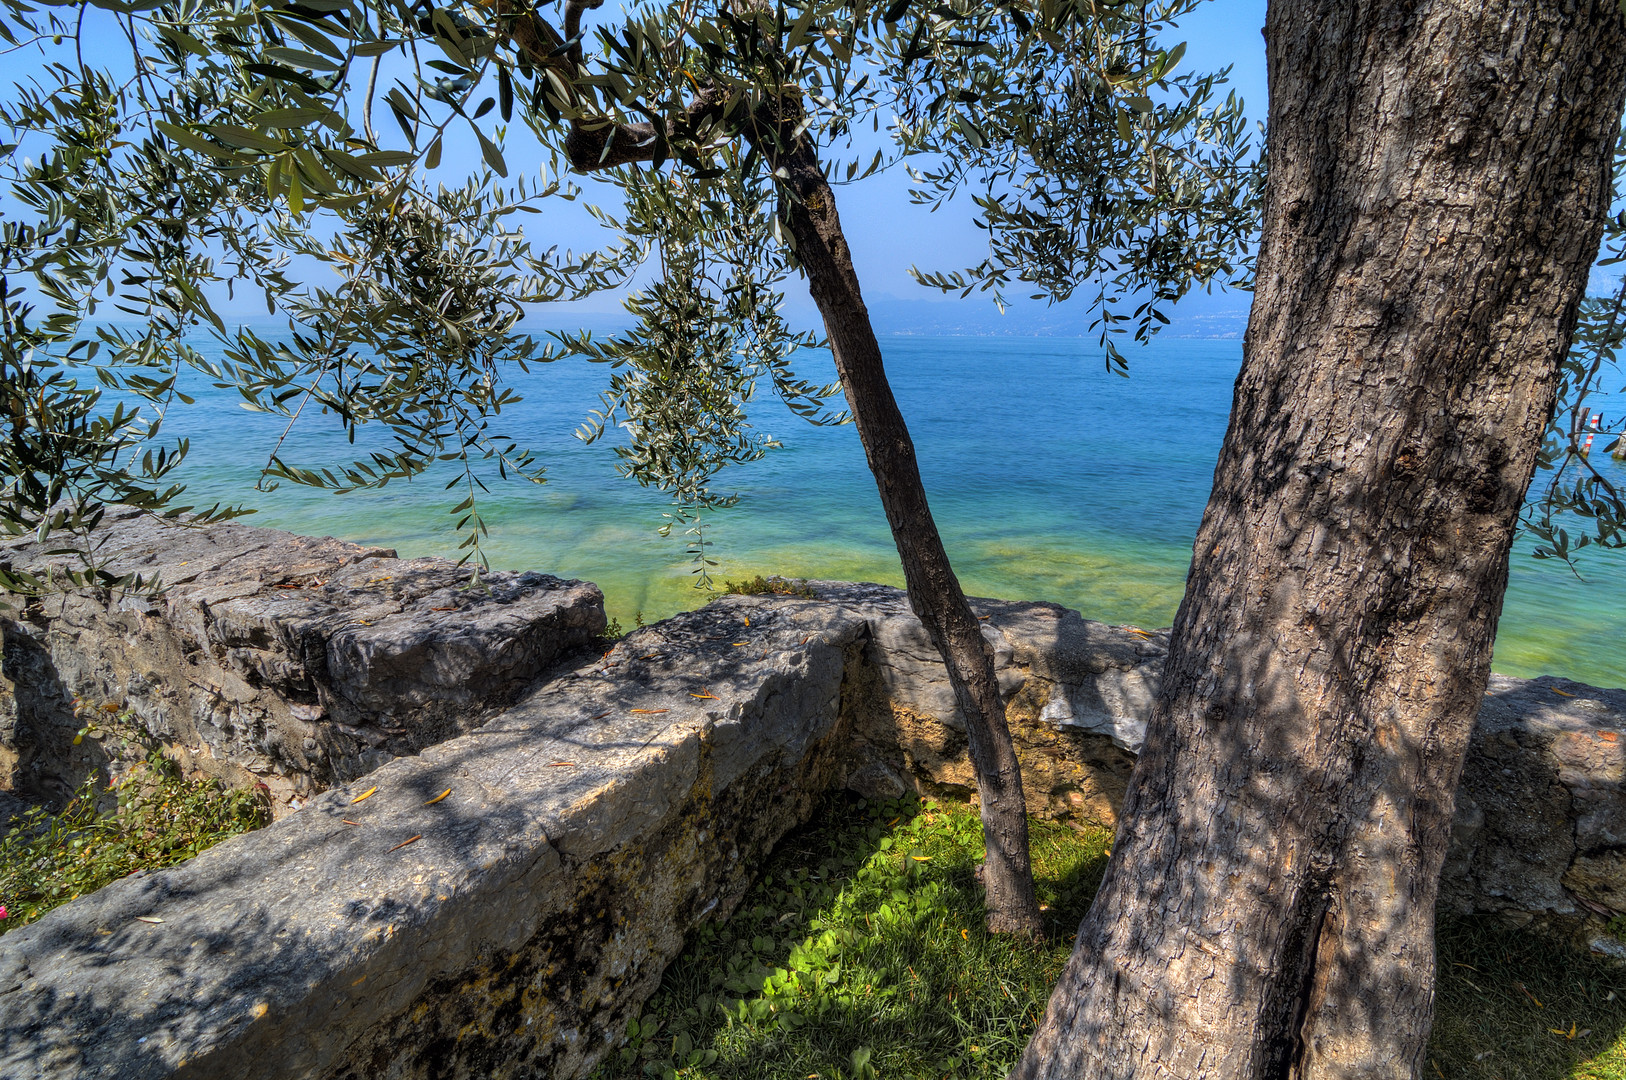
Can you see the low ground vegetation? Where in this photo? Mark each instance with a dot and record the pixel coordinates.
(161, 818)
(861, 954)
(772, 585)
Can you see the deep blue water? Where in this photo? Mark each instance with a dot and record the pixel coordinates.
(1050, 479)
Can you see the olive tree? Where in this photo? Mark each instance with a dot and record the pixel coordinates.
(234, 137)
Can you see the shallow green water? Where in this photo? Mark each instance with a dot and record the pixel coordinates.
(1050, 479)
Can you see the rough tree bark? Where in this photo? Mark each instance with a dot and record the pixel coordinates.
(934, 590)
(1439, 176)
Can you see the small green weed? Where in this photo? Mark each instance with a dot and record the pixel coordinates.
(162, 819)
(772, 585)
(861, 954)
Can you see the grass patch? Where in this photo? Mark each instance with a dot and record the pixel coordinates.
(772, 585)
(860, 954)
(1515, 1005)
(162, 819)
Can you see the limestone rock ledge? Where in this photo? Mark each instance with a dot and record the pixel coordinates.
(1540, 829)
(506, 930)
(287, 660)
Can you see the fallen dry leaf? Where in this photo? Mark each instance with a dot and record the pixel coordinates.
(1559, 692)
(561, 764)
(712, 697)
(452, 608)
(149, 919)
(439, 797)
(650, 712)
(737, 644)
(404, 843)
(347, 821)
(649, 656)
(1528, 994)
(601, 715)
(362, 796)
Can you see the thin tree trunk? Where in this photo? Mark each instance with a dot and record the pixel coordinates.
(1440, 173)
(934, 591)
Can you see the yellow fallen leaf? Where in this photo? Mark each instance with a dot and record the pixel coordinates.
(921, 858)
(1559, 692)
(650, 712)
(966, 934)
(362, 796)
(561, 764)
(259, 1010)
(705, 697)
(748, 620)
(439, 797)
(737, 644)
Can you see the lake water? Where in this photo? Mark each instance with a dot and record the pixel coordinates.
(1050, 478)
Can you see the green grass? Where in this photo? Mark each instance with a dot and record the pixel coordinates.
(1511, 1005)
(162, 819)
(861, 954)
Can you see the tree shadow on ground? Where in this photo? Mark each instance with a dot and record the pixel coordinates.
(861, 948)
(861, 952)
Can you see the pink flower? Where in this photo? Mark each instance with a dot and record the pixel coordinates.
(2, 911)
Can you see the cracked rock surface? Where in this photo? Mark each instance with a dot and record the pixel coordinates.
(506, 929)
(293, 661)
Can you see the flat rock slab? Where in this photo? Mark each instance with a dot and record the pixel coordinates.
(507, 929)
(288, 660)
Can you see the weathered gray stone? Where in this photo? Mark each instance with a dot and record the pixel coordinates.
(1078, 694)
(1540, 828)
(586, 830)
(1541, 815)
(269, 657)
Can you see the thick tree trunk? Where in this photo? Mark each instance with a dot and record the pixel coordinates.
(934, 591)
(1439, 176)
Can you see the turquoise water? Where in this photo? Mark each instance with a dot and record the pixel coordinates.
(1050, 479)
